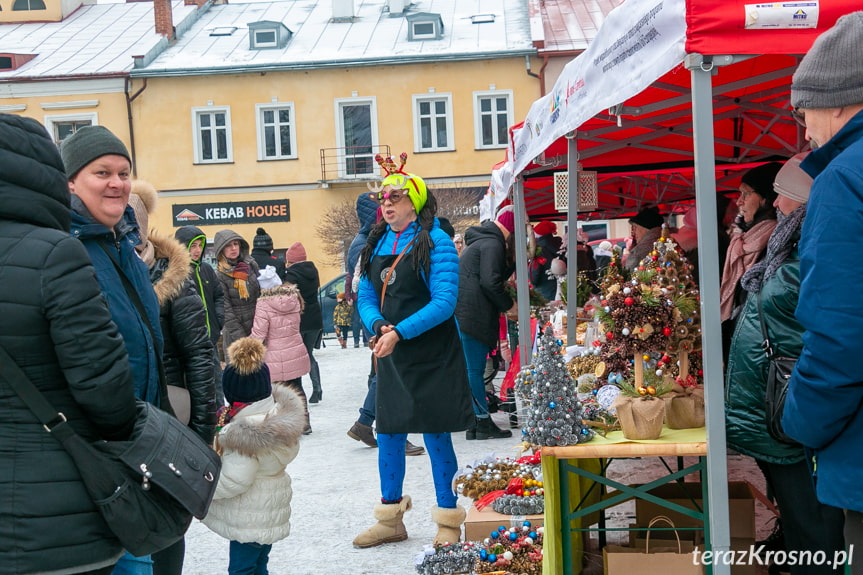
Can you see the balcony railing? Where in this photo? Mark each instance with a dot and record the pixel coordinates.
(351, 163)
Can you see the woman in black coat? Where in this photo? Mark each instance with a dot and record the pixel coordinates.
(303, 274)
(187, 353)
(58, 329)
(484, 267)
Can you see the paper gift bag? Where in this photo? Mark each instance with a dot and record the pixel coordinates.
(675, 560)
(684, 408)
(640, 418)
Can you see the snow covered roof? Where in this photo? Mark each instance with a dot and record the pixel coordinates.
(95, 40)
(372, 37)
(567, 25)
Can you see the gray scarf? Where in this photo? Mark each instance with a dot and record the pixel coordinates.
(779, 247)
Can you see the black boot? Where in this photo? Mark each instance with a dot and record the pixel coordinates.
(470, 434)
(486, 429)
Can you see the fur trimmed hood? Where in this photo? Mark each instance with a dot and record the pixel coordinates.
(287, 289)
(171, 268)
(281, 426)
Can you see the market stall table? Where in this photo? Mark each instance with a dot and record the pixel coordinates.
(572, 473)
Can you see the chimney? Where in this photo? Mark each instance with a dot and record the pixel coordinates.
(164, 18)
(343, 10)
(397, 7)
(197, 3)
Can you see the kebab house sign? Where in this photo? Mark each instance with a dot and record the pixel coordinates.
(231, 213)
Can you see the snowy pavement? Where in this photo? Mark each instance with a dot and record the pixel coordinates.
(335, 483)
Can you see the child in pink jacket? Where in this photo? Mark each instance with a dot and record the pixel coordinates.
(277, 324)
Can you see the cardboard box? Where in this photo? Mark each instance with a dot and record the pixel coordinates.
(479, 524)
(741, 503)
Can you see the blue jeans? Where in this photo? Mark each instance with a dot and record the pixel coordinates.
(248, 558)
(475, 354)
(131, 565)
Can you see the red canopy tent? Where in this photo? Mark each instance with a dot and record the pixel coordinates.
(670, 101)
(642, 148)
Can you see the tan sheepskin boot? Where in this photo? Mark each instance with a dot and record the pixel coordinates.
(448, 524)
(389, 527)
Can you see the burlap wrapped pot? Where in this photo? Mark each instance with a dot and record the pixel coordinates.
(640, 417)
(684, 407)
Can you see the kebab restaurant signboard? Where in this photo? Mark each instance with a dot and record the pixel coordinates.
(217, 214)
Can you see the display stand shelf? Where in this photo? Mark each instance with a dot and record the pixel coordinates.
(578, 471)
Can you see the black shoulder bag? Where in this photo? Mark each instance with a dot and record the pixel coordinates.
(778, 377)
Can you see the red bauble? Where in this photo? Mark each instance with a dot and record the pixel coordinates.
(666, 331)
(628, 301)
(609, 336)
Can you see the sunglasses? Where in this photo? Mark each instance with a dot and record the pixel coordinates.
(799, 116)
(394, 196)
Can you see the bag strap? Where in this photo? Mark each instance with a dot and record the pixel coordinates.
(391, 270)
(52, 420)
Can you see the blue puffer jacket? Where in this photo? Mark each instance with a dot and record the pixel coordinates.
(824, 408)
(143, 351)
(442, 282)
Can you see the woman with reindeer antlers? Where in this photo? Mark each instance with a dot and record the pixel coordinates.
(406, 298)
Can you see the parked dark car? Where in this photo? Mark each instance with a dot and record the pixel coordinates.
(327, 298)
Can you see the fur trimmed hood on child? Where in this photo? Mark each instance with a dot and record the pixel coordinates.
(252, 500)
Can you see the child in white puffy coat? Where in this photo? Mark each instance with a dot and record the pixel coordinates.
(257, 436)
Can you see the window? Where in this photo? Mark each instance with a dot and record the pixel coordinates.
(356, 122)
(492, 117)
(265, 38)
(28, 5)
(276, 131)
(5, 63)
(212, 139)
(61, 127)
(433, 125)
(268, 34)
(425, 26)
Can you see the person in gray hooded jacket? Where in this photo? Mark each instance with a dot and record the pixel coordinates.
(238, 273)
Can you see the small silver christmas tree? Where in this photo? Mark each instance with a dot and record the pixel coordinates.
(554, 413)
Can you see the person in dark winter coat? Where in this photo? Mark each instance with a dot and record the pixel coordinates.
(58, 329)
(188, 351)
(238, 273)
(823, 408)
(303, 274)
(209, 289)
(484, 267)
(646, 229)
(773, 286)
(98, 167)
(422, 384)
(548, 245)
(262, 251)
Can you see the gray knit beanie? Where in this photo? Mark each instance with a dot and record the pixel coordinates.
(831, 73)
(86, 145)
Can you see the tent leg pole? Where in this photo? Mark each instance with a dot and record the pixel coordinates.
(708, 265)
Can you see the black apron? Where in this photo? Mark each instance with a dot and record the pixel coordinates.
(422, 385)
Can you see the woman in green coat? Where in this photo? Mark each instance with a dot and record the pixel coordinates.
(806, 523)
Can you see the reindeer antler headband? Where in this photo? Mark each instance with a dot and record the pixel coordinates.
(397, 178)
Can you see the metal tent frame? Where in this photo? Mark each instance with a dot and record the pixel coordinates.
(677, 136)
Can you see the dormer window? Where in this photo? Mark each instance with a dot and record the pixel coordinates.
(28, 5)
(266, 34)
(5, 63)
(425, 26)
